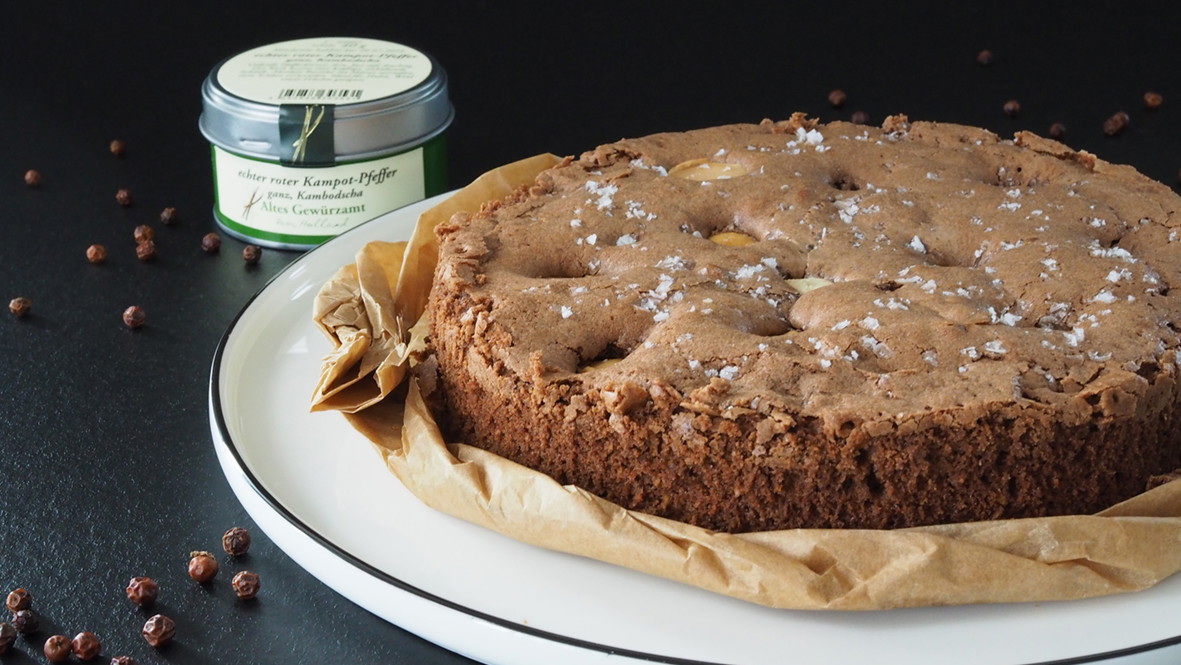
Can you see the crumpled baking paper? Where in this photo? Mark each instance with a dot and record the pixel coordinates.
(373, 313)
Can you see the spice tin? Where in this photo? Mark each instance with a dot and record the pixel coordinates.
(312, 137)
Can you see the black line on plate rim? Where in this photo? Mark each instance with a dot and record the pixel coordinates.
(281, 510)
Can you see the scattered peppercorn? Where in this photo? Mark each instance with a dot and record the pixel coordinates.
(96, 254)
(837, 98)
(202, 566)
(859, 118)
(210, 243)
(134, 317)
(124, 660)
(86, 645)
(251, 254)
(117, 148)
(33, 178)
(236, 541)
(123, 196)
(145, 251)
(143, 233)
(20, 306)
(7, 636)
(1012, 108)
(159, 630)
(142, 591)
(1117, 123)
(26, 621)
(1057, 130)
(18, 599)
(246, 584)
(168, 216)
(57, 648)
(984, 58)
(1153, 100)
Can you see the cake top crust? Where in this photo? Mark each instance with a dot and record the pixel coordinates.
(857, 276)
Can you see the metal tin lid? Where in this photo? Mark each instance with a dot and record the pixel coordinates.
(378, 97)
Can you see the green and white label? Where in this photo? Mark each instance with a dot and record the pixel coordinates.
(324, 70)
(306, 206)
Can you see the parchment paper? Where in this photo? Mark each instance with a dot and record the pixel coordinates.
(373, 313)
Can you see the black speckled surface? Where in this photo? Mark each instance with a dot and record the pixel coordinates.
(107, 469)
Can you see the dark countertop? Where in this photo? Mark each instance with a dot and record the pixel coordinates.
(107, 469)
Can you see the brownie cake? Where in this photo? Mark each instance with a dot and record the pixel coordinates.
(756, 327)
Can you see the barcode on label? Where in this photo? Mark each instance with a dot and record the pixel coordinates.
(320, 93)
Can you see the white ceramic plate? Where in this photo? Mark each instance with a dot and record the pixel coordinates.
(320, 491)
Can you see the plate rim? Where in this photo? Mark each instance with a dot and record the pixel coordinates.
(221, 434)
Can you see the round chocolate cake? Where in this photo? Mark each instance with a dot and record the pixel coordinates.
(782, 325)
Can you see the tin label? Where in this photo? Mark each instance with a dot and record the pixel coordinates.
(324, 70)
(306, 206)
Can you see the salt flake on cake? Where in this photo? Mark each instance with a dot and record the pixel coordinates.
(605, 194)
(1117, 274)
(994, 348)
(672, 263)
(1104, 296)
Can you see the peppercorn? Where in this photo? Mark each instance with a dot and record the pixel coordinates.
(159, 630)
(142, 591)
(202, 566)
(123, 196)
(20, 306)
(7, 636)
(134, 317)
(145, 251)
(210, 243)
(124, 660)
(86, 645)
(33, 178)
(18, 599)
(143, 233)
(117, 148)
(837, 98)
(57, 648)
(168, 216)
(26, 621)
(1153, 100)
(859, 118)
(246, 584)
(1057, 130)
(984, 58)
(236, 541)
(1012, 108)
(1117, 123)
(251, 254)
(96, 254)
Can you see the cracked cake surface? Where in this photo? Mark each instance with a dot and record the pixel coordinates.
(789, 324)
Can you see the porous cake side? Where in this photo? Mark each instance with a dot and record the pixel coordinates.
(783, 325)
